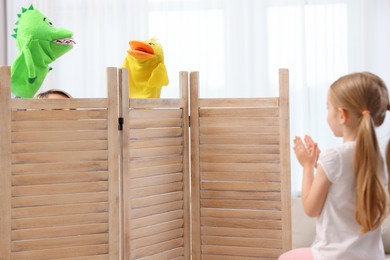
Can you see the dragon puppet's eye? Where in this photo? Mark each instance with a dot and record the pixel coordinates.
(47, 21)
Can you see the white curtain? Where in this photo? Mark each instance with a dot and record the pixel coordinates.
(3, 26)
(237, 46)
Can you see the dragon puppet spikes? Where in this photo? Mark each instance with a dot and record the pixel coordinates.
(39, 44)
(145, 64)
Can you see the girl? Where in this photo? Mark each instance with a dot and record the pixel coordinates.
(347, 194)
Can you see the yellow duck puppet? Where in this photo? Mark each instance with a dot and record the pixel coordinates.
(145, 63)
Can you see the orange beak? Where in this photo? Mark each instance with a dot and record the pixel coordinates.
(140, 50)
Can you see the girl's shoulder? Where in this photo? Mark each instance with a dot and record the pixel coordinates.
(334, 160)
(344, 149)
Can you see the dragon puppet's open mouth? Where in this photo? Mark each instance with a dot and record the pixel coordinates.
(140, 50)
(65, 41)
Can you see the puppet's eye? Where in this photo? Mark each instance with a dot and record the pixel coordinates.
(151, 44)
(47, 21)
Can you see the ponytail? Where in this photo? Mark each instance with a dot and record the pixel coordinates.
(371, 206)
(387, 156)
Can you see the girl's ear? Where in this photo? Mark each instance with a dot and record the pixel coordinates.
(342, 115)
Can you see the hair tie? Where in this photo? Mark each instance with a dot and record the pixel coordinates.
(365, 112)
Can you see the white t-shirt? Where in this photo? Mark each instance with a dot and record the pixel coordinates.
(337, 232)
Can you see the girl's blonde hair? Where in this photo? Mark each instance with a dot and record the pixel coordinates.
(365, 97)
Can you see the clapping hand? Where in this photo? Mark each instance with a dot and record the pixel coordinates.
(306, 152)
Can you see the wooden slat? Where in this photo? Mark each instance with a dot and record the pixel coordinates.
(5, 163)
(240, 167)
(47, 254)
(238, 102)
(238, 121)
(180, 257)
(38, 244)
(239, 195)
(70, 103)
(157, 248)
(127, 225)
(94, 257)
(174, 254)
(225, 257)
(155, 190)
(239, 241)
(156, 219)
(113, 160)
(155, 113)
(55, 136)
(285, 157)
(156, 133)
(155, 122)
(83, 145)
(241, 176)
(156, 103)
(155, 142)
(58, 210)
(240, 186)
(48, 157)
(239, 149)
(159, 199)
(47, 200)
(65, 188)
(242, 213)
(62, 114)
(239, 130)
(156, 209)
(65, 220)
(241, 112)
(240, 158)
(150, 231)
(157, 161)
(195, 167)
(123, 112)
(63, 166)
(184, 93)
(56, 178)
(156, 180)
(241, 204)
(256, 139)
(58, 125)
(242, 232)
(155, 152)
(53, 232)
(242, 251)
(158, 238)
(157, 170)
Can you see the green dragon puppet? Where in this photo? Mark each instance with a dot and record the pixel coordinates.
(145, 63)
(39, 44)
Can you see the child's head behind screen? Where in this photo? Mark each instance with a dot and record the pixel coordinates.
(54, 94)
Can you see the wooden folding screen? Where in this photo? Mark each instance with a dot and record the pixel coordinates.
(59, 176)
(240, 176)
(156, 176)
(109, 178)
